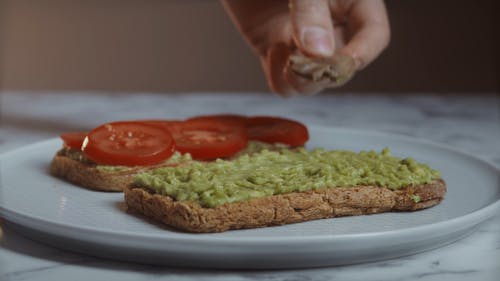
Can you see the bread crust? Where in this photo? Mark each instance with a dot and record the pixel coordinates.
(284, 208)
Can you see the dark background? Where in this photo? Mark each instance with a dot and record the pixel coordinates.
(444, 46)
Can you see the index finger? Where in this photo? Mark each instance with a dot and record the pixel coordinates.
(371, 31)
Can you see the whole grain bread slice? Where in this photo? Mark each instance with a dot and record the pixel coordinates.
(284, 208)
(89, 176)
(73, 167)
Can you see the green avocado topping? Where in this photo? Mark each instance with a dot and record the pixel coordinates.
(269, 172)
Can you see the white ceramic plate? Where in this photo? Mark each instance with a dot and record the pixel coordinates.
(67, 216)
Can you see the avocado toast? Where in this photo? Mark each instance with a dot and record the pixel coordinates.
(216, 173)
(283, 186)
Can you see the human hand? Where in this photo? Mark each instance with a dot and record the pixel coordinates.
(295, 39)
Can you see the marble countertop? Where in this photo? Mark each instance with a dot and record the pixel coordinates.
(467, 122)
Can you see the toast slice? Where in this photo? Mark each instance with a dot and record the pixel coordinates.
(73, 166)
(88, 175)
(281, 187)
(283, 208)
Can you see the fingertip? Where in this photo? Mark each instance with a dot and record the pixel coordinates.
(371, 32)
(365, 47)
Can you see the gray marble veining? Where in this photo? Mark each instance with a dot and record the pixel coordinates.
(466, 122)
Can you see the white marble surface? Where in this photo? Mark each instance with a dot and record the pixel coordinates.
(468, 122)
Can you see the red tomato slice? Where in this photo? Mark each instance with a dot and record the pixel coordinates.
(277, 130)
(208, 139)
(74, 140)
(129, 144)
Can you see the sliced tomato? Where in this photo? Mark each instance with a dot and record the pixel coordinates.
(129, 144)
(74, 140)
(208, 139)
(277, 130)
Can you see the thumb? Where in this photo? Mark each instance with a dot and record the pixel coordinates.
(312, 27)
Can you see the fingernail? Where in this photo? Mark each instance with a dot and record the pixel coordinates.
(317, 41)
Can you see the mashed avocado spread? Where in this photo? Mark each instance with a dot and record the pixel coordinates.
(269, 172)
